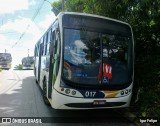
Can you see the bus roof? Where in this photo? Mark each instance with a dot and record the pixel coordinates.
(5, 54)
(60, 15)
(90, 15)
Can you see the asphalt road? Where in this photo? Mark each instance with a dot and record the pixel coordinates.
(21, 97)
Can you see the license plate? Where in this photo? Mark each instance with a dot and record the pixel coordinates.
(99, 102)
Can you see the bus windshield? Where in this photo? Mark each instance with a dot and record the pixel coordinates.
(28, 60)
(5, 57)
(94, 58)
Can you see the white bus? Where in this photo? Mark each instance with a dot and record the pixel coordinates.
(85, 61)
(28, 63)
(5, 61)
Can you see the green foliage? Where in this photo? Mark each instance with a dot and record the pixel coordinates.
(57, 7)
(147, 78)
(18, 67)
(149, 102)
(75, 5)
(145, 22)
(0, 70)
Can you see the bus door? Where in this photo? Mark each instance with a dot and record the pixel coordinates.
(51, 64)
(55, 60)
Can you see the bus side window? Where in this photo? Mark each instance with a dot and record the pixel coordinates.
(35, 51)
(52, 43)
(46, 43)
(56, 44)
(57, 50)
(42, 45)
(49, 42)
(57, 41)
(49, 36)
(47, 50)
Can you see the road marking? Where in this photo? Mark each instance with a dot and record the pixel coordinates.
(7, 86)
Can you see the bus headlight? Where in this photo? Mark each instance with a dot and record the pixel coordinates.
(67, 91)
(126, 92)
(122, 92)
(73, 92)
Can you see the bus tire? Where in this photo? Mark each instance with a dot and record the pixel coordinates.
(44, 92)
(36, 81)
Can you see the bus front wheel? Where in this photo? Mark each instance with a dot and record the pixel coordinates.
(45, 93)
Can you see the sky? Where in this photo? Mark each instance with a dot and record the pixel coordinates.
(22, 23)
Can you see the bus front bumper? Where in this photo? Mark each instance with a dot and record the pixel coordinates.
(60, 101)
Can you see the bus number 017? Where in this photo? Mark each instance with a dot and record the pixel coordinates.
(90, 93)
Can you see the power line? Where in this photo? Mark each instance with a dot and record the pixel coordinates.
(52, 5)
(34, 16)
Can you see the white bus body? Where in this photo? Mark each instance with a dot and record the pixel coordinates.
(85, 61)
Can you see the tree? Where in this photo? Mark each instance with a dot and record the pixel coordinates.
(18, 67)
(56, 7)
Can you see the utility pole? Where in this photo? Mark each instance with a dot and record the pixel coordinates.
(28, 52)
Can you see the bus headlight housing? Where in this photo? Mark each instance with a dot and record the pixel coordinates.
(67, 91)
(122, 92)
(126, 92)
(73, 92)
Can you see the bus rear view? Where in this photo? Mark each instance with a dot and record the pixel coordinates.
(5, 61)
(28, 63)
